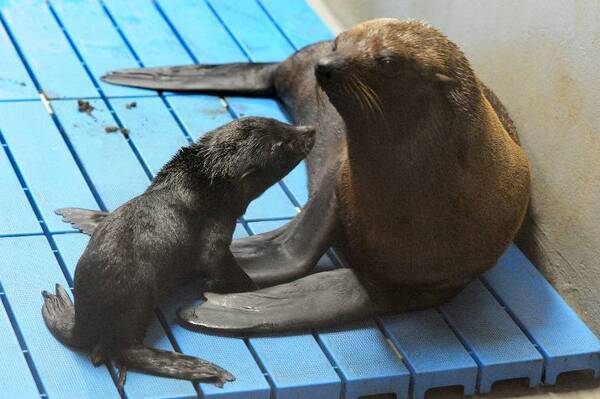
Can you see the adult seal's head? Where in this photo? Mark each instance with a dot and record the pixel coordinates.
(394, 71)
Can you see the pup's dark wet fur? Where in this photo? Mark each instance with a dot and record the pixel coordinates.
(178, 231)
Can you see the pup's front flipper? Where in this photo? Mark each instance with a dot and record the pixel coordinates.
(317, 300)
(85, 220)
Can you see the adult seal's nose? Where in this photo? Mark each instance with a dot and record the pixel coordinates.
(325, 68)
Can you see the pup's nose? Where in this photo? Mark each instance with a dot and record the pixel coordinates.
(309, 139)
(325, 68)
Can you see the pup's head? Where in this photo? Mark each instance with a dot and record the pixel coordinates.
(254, 152)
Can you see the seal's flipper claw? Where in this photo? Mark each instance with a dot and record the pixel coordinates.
(85, 220)
(320, 299)
(63, 295)
(122, 379)
(238, 78)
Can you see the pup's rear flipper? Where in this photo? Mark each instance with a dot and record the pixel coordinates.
(58, 312)
(317, 300)
(85, 220)
(238, 78)
(171, 365)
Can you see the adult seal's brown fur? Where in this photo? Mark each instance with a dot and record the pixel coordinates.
(416, 175)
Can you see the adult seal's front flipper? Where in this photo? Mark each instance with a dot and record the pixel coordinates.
(320, 299)
(85, 220)
(239, 78)
(292, 251)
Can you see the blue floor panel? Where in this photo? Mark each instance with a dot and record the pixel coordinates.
(252, 29)
(208, 40)
(154, 132)
(293, 17)
(297, 366)
(501, 349)
(44, 160)
(564, 340)
(15, 83)
(147, 32)
(16, 380)
(47, 50)
(107, 157)
(27, 267)
(509, 324)
(17, 217)
(366, 361)
(97, 41)
(433, 353)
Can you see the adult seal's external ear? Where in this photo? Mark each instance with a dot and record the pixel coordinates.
(444, 79)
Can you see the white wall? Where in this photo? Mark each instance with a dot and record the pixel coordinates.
(542, 58)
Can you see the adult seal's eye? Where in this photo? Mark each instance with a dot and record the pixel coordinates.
(388, 66)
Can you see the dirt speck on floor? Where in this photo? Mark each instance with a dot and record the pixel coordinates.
(18, 82)
(84, 106)
(112, 129)
(131, 105)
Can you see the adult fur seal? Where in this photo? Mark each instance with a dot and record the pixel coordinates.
(416, 175)
(179, 230)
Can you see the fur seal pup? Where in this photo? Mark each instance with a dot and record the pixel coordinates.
(416, 175)
(179, 230)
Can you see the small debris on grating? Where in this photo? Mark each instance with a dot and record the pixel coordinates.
(112, 129)
(130, 105)
(15, 81)
(84, 106)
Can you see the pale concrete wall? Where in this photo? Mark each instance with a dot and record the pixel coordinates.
(542, 58)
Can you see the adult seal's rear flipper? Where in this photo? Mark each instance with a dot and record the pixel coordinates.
(85, 220)
(239, 78)
(320, 299)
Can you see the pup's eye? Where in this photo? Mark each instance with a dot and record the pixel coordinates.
(277, 146)
(388, 65)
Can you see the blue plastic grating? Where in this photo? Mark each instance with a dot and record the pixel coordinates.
(509, 324)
